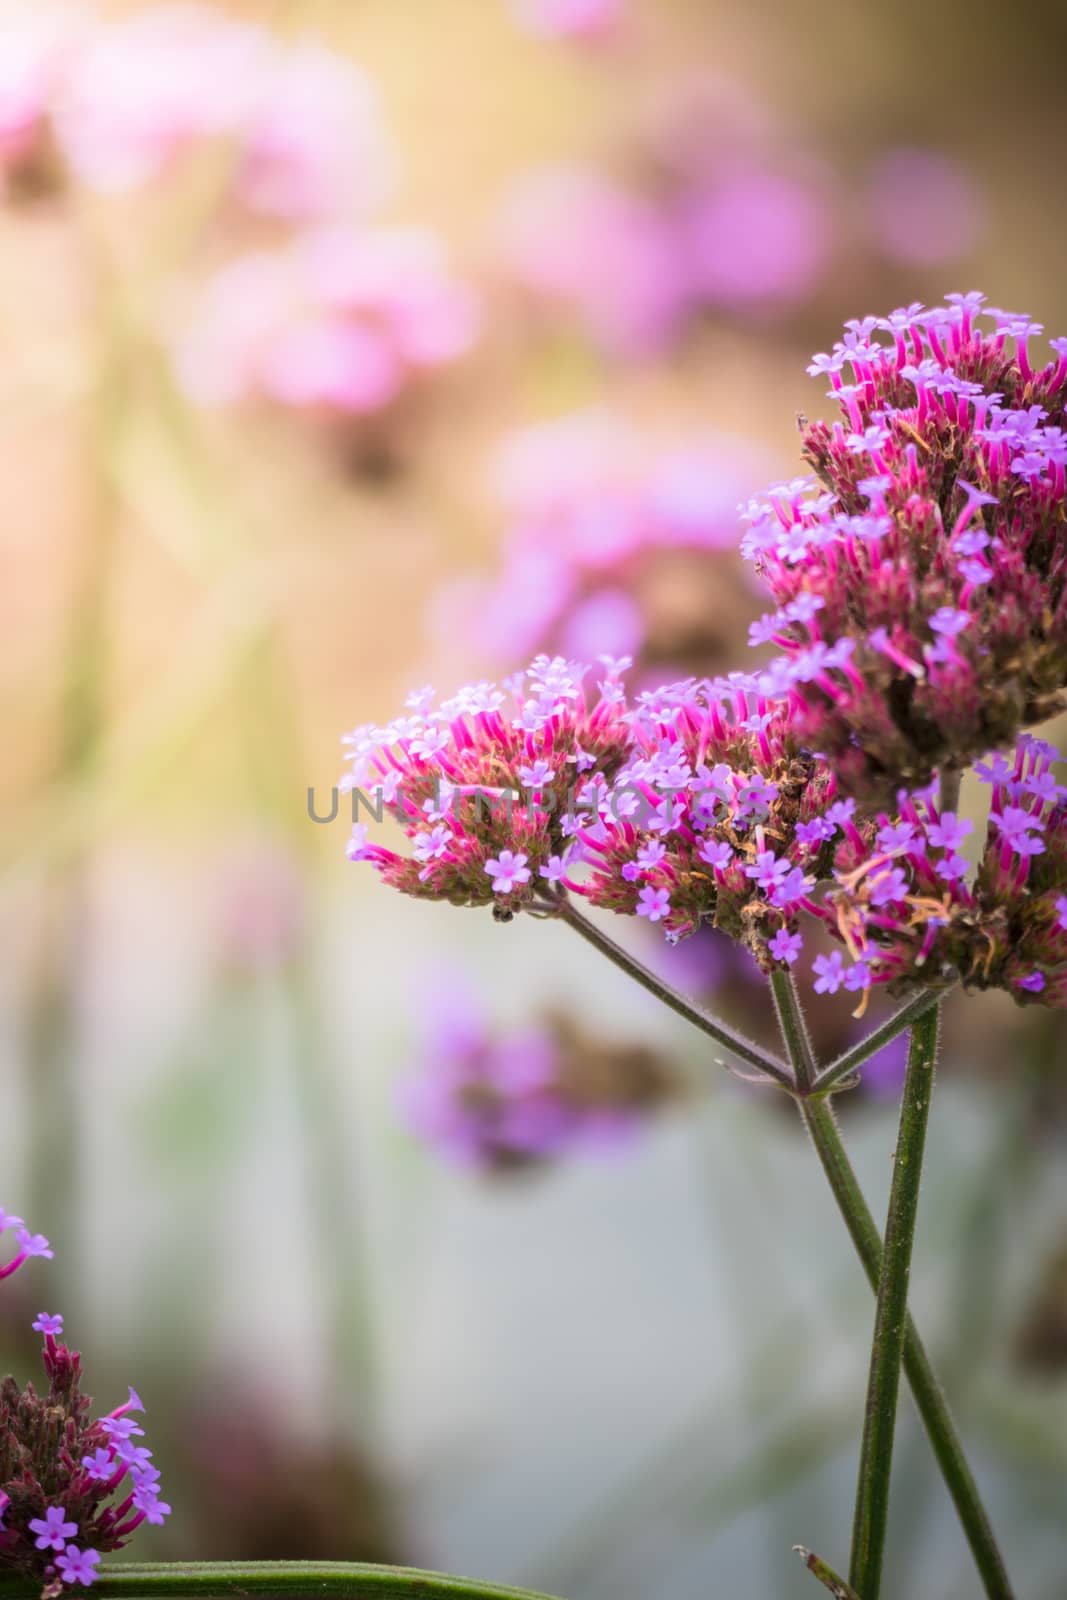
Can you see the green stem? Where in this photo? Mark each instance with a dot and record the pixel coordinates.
(917, 1007)
(818, 1117)
(826, 1575)
(745, 1049)
(200, 1580)
(929, 1396)
(871, 1515)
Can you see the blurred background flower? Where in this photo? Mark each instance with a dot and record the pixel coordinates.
(349, 347)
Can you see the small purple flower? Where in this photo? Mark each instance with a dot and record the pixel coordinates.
(651, 854)
(46, 1324)
(789, 889)
(817, 831)
(840, 812)
(553, 869)
(52, 1530)
(786, 946)
(100, 1466)
(887, 888)
(952, 868)
(1061, 912)
(949, 833)
(147, 1500)
(535, 775)
(34, 1244)
(9, 1220)
(507, 870)
(1015, 824)
(121, 1428)
(949, 622)
(768, 870)
(829, 973)
(1033, 983)
(654, 904)
(895, 836)
(717, 853)
(858, 976)
(78, 1566)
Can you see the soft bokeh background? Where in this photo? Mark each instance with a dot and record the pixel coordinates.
(630, 1371)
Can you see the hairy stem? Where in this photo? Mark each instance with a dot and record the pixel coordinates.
(871, 1515)
(919, 1006)
(929, 1396)
(745, 1049)
(821, 1124)
(201, 1580)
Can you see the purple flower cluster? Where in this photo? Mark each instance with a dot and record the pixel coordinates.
(743, 240)
(721, 211)
(72, 1487)
(498, 1099)
(915, 910)
(340, 321)
(604, 528)
(487, 786)
(719, 817)
(123, 100)
(921, 575)
(699, 804)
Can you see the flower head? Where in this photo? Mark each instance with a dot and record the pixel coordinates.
(951, 448)
(502, 839)
(61, 1468)
(915, 911)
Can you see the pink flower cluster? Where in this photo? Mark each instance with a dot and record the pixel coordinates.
(123, 100)
(340, 321)
(486, 786)
(723, 212)
(699, 804)
(585, 20)
(746, 240)
(71, 1486)
(597, 517)
(921, 575)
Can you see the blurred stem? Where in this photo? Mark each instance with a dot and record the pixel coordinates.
(721, 1032)
(200, 1580)
(274, 747)
(871, 1514)
(53, 1088)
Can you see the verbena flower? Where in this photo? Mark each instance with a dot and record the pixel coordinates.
(487, 786)
(921, 576)
(339, 322)
(614, 543)
(699, 805)
(72, 1486)
(719, 817)
(915, 911)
